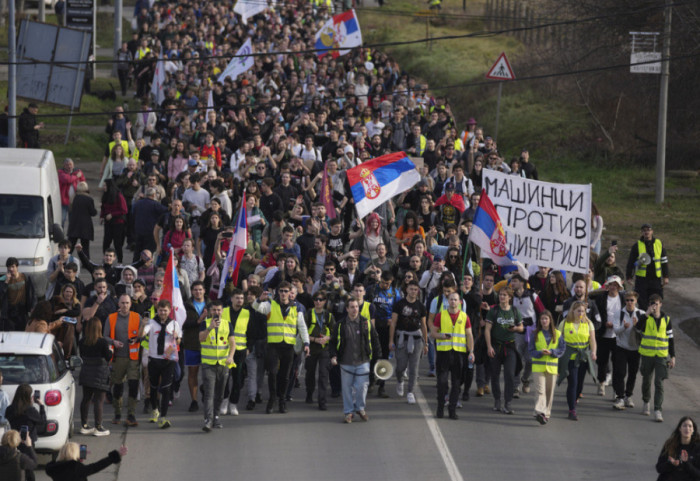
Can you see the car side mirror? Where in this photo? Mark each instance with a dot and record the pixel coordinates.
(57, 233)
(74, 362)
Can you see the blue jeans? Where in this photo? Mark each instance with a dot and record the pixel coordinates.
(431, 355)
(575, 383)
(355, 380)
(64, 215)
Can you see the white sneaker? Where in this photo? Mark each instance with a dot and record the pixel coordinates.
(399, 388)
(646, 409)
(608, 379)
(459, 404)
(86, 429)
(100, 431)
(658, 417)
(223, 410)
(628, 402)
(601, 389)
(619, 404)
(232, 409)
(410, 398)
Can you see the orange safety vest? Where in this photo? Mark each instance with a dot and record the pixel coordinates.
(134, 325)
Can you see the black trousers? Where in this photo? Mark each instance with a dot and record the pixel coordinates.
(606, 349)
(320, 359)
(235, 381)
(645, 287)
(449, 365)
(114, 232)
(625, 362)
(160, 374)
(383, 332)
(278, 363)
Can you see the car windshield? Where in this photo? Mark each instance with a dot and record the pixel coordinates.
(24, 368)
(21, 216)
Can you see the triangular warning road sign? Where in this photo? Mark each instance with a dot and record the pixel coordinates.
(501, 69)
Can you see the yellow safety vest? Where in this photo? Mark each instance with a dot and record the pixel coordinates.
(151, 315)
(241, 327)
(654, 340)
(656, 259)
(546, 363)
(577, 338)
(141, 52)
(279, 328)
(215, 347)
(458, 340)
(365, 311)
(125, 147)
(423, 142)
(326, 329)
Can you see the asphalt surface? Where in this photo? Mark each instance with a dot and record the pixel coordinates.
(403, 441)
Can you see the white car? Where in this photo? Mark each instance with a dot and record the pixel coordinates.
(37, 359)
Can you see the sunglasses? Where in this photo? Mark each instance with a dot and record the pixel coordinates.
(319, 300)
(283, 291)
(630, 300)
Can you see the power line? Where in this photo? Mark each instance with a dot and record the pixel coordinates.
(424, 89)
(478, 34)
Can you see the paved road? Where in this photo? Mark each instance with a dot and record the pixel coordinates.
(405, 442)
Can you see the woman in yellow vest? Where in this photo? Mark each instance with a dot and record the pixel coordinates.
(579, 335)
(546, 346)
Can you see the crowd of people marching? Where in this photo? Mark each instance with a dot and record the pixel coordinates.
(319, 296)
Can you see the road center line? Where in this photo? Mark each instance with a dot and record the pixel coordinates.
(439, 439)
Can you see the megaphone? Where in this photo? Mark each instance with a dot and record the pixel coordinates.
(644, 259)
(383, 369)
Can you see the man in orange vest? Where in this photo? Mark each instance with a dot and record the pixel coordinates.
(122, 331)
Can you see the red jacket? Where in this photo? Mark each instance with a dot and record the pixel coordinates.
(118, 210)
(66, 180)
(206, 151)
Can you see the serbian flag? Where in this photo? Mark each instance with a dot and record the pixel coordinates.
(341, 32)
(374, 182)
(236, 249)
(327, 195)
(171, 291)
(487, 232)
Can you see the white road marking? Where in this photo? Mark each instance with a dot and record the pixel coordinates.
(439, 439)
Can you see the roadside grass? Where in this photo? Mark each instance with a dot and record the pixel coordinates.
(555, 130)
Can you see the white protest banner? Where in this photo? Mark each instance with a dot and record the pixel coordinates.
(240, 63)
(546, 224)
(249, 8)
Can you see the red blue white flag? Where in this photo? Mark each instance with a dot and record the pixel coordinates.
(236, 249)
(341, 32)
(171, 291)
(488, 233)
(374, 182)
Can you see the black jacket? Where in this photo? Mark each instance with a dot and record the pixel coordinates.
(685, 471)
(36, 420)
(28, 135)
(13, 462)
(94, 372)
(77, 471)
(82, 211)
(337, 348)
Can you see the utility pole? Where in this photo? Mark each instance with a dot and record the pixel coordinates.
(12, 78)
(117, 33)
(663, 107)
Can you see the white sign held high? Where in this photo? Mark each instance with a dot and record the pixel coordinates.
(546, 224)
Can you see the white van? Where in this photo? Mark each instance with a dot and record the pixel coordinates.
(30, 212)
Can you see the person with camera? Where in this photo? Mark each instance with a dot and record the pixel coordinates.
(452, 332)
(69, 463)
(17, 456)
(238, 316)
(25, 418)
(648, 279)
(218, 342)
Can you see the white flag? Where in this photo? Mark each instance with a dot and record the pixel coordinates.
(240, 63)
(158, 85)
(249, 8)
(210, 102)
